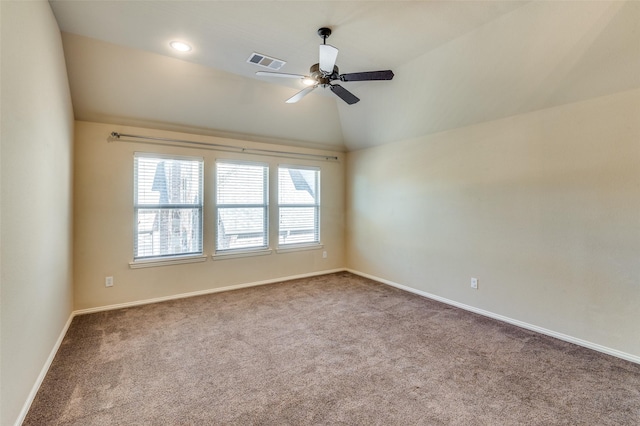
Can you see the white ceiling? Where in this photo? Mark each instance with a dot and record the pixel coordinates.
(456, 63)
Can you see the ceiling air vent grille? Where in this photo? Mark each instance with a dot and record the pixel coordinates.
(266, 61)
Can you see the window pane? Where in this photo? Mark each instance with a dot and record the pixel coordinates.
(241, 183)
(241, 201)
(297, 186)
(299, 205)
(165, 232)
(168, 181)
(241, 228)
(168, 206)
(298, 225)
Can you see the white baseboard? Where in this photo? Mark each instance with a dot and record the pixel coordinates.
(561, 336)
(567, 338)
(43, 373)
(202, 292)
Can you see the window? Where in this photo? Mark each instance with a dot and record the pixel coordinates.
(242, 206)
(299, 205)
(168, 206)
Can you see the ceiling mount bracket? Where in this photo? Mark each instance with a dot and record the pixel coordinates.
(324, 33)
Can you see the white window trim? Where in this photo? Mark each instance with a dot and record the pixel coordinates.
(168, 156)
(299, 247)
(173, 260)
(298, 166)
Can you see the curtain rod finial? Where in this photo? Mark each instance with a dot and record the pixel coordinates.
(115, 135)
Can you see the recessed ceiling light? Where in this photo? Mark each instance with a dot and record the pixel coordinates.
(180, 46)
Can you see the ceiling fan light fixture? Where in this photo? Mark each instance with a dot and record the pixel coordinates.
(308, 81)
(180, 46)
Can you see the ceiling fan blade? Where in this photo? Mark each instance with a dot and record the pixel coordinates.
(344, 94)
(328, 56)
(301, 94)
(279, 74)
(367, 76)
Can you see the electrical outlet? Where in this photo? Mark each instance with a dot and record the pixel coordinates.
(108, 282)
(474, 283)
(324, 254)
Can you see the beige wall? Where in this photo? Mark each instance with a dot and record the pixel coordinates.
(104, 222)
(37, 142)
(543, 208)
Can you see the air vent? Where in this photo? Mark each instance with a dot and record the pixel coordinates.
(266, 61)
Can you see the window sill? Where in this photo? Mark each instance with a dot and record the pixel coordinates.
(299, 247)
(151, 263)
(238, 254)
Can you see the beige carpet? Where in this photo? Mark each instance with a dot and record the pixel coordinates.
(336, 349)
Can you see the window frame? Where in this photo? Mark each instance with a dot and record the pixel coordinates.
(219, 253)
(283, 248)
(174, 258)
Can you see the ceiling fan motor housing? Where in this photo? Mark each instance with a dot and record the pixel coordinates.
(316, 73)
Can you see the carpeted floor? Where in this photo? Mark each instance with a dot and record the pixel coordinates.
(334, 349)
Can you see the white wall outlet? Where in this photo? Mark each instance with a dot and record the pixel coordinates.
(324, 254)
(108, 282)
(474, 283)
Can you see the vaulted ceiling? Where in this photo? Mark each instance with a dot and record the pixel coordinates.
(455, 64)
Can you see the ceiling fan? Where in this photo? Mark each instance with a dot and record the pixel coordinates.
(325, 71)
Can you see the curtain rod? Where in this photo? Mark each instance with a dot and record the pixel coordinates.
(222, 147)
